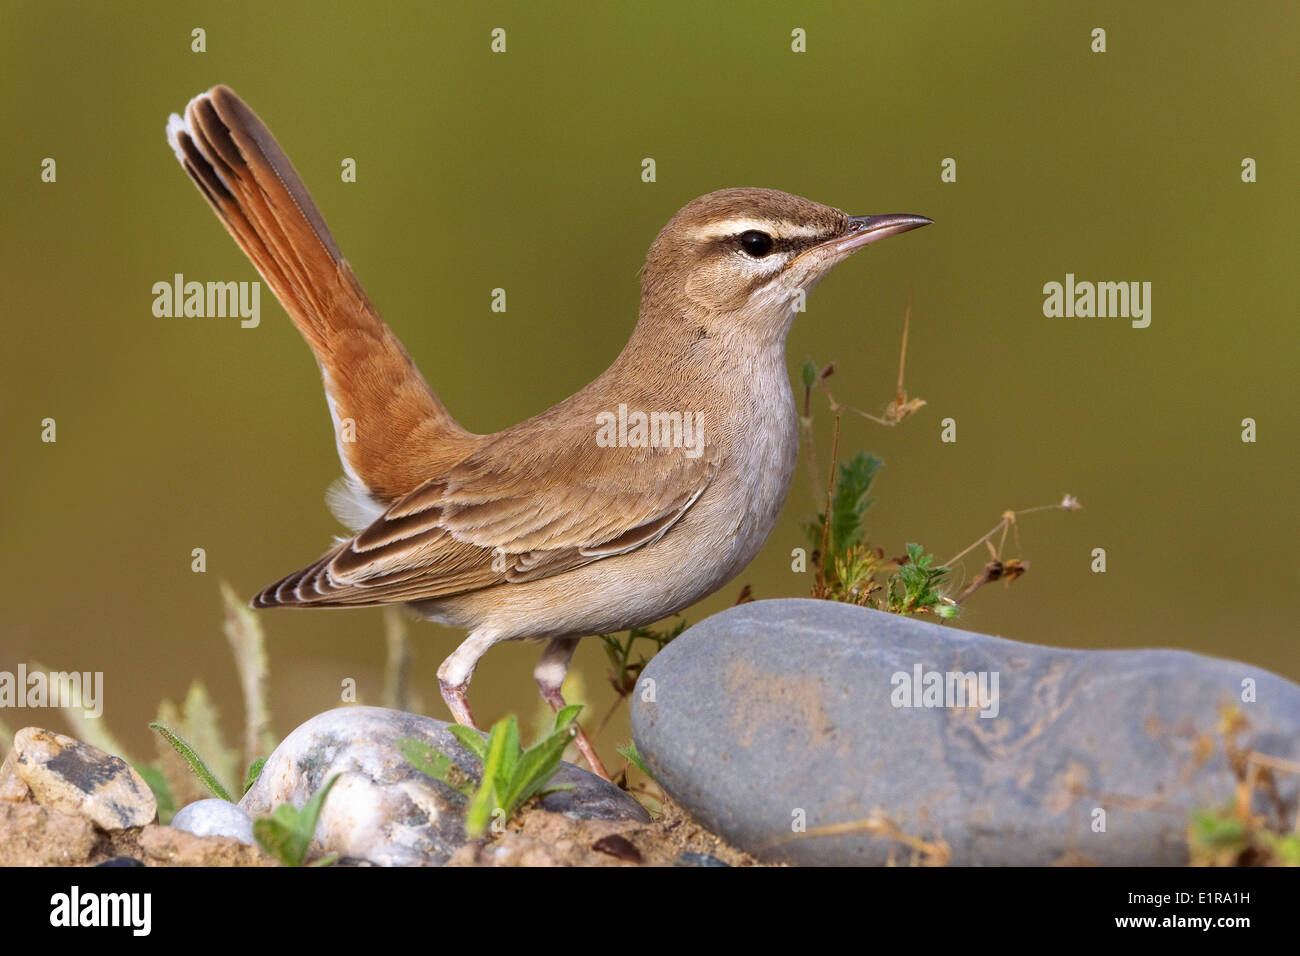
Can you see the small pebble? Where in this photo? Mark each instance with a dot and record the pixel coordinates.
(215, 817)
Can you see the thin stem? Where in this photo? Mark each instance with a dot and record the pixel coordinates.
(902, 355)
(830, 490)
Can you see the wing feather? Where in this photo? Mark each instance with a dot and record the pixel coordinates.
(485, 523)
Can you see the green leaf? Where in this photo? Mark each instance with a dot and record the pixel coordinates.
(436, 764)
(916, 585)
(423, 757)
(1213, 830)
(511, 775)
(196, 764)
(565, 716)
(287, 833)
(809, 374)
(1287, 848)
(161, 792)
(850, 501)
(634, 757)
(541, 760)
(486, 798)
(311, 812)
(509, 749)
(200, 725)
(254, 771)
(471, 740)
(277, 835)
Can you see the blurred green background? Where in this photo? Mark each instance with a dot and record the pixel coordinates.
(522, 171)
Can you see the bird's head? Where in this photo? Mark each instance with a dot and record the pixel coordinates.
(739, 258)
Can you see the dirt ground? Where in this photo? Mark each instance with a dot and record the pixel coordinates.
(538, 838)
(33, 835)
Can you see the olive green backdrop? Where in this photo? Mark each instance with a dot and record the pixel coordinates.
(522, 171)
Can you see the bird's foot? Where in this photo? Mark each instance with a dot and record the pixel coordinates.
(457, 701)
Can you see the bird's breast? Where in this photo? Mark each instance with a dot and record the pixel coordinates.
(759, 440)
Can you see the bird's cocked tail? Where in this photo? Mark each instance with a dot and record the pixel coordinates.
(391, 430)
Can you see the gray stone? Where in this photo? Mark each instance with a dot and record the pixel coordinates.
(383, 809)
(777, 711)
(215, 817)
(63, 773)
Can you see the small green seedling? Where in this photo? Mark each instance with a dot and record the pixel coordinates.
(191, 757)
(287, 833)
(511, 775)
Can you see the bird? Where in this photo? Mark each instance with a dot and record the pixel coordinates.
(601, 513)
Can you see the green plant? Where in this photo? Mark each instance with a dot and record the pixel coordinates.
(1236, 833)
(254, 771)
(625, 671)
(634, 758)
(511, 775)
(854, 570)
(849, 503)
(1220, 838)
(436, 764)
(195, 762)
(156, 780)
(248, 645)
(848, 568)
(915, 587)
(287, 833)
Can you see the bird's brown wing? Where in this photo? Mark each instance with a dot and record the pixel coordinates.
(533, 503)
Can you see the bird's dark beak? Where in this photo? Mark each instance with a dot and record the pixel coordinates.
(865, 229)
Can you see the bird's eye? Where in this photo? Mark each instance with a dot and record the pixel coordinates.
(757, 244)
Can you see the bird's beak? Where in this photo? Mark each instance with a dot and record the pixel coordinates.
(865, 229)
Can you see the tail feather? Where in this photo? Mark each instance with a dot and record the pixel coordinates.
(400, 433)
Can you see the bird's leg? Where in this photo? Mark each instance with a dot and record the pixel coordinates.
(454, 675)
(457, 701)
(549, 674)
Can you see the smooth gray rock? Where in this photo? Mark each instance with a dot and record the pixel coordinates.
(213, 817)
(384, 810)
(777, 709)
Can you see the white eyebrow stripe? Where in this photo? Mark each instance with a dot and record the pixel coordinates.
(779, 229)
